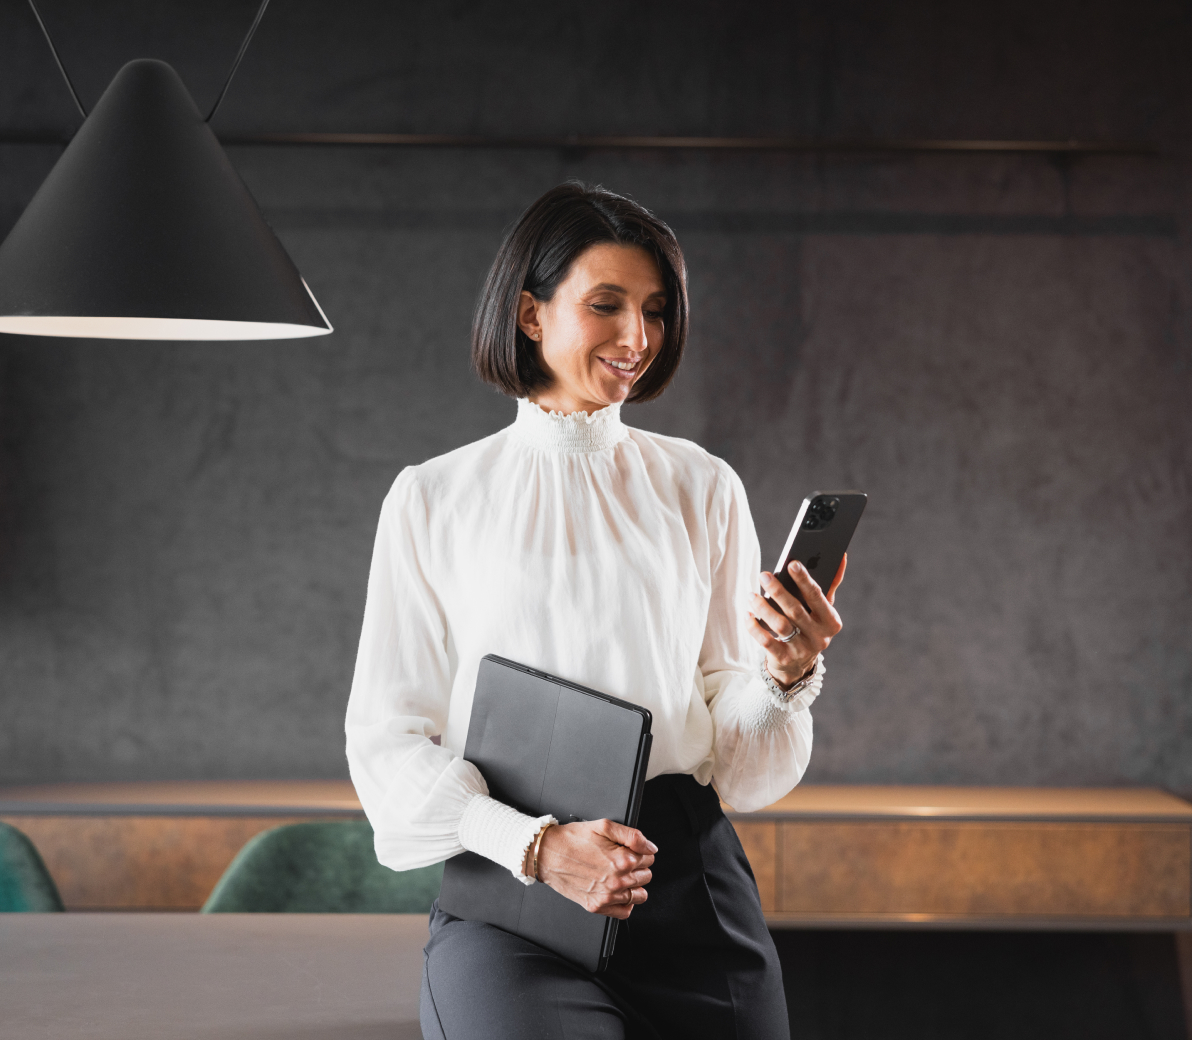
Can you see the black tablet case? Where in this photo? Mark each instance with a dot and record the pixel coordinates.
(545, 745)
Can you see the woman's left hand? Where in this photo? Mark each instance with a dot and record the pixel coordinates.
(816, 624)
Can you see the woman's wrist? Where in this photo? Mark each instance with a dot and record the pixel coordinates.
(786, 692)
(781, 675)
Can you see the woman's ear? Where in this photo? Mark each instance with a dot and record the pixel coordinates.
(528, 317)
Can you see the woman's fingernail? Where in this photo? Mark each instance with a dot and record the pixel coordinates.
(653, 847)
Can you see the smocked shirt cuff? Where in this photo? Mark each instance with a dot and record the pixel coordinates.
(499, 832)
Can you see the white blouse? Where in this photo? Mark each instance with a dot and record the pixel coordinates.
(616, 558)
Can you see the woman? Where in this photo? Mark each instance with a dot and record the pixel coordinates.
(621, 560)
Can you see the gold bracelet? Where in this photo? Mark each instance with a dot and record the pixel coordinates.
(537, 846)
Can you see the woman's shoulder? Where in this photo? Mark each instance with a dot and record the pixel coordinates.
(444, 475)
(685, 458)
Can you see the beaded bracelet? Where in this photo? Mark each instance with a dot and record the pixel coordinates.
(786, 696)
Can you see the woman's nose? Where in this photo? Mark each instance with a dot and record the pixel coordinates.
(634, 335)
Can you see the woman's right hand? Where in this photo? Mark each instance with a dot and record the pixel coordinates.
(599, 864)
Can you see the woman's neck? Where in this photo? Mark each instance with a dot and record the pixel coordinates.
(566, 404)
(577, 432)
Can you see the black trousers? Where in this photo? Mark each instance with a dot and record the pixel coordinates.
(695, 960)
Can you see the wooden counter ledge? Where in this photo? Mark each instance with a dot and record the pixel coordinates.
(824, 856)
(973, 857)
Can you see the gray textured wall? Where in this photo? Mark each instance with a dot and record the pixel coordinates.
(997, 348)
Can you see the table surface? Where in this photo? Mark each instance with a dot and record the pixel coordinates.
(210, 977)
(218, 797)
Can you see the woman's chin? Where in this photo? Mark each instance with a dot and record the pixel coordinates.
(615, 393)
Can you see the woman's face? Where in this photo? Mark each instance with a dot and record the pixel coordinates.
(600, 331)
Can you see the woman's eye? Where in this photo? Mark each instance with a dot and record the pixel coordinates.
(653, 315)
(605, 308)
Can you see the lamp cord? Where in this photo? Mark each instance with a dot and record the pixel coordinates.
(239, 58)
(62, 68)
(218, 101)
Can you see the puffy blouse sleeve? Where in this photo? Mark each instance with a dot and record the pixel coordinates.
(424, 802)
(761, 745)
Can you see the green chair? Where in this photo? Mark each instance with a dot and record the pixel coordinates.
(25, 884)
(320, 868)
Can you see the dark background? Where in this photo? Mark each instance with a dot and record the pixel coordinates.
(997, 347)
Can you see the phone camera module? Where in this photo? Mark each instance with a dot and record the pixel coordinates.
(820, 513)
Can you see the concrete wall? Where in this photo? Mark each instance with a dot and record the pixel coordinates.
(996, 347)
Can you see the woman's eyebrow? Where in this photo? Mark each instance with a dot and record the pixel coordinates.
(619, 289)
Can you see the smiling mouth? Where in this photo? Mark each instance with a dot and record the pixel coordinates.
(622, 369)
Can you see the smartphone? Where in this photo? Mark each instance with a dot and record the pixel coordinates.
(820, 537)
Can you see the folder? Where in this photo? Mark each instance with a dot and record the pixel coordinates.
(548, 746)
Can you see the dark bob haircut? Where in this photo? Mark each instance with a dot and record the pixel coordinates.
(536, 257)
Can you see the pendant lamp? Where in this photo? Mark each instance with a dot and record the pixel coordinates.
(143, 230)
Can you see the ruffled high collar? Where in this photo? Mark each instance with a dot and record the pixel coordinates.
(571, 434)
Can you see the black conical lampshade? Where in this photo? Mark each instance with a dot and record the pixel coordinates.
(143, 230)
